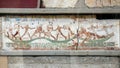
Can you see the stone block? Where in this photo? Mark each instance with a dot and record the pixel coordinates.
(99, 3)
(3, 62)
(95, 66)
(113, 3)
(63, 62)
(94, 60)
(0, 33)
(63, 66)
(106, 3)
(40, 60)
(103, 3)
(59, 3)
(118, 2)
(90, 3)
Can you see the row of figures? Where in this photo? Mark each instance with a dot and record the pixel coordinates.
(28, 32)
(57, 32)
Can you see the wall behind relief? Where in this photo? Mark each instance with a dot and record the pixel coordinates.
(63, 62)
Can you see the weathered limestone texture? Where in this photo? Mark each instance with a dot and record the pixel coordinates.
(106, 2)
(98, 3)
(102, 3)
(63, 62)
(3, 62)
(59, 3)
(0, 32)
(118, 2)
(90, 3)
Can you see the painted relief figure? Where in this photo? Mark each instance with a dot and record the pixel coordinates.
(39, 35)
(58, 33)
(99, 33)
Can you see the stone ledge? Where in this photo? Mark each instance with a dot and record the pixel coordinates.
(63, 66)
(65, 52)
(60, 11)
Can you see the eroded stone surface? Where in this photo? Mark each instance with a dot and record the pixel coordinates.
(102, 3)
(63, 62)
(118, 2)
(0, 32)
(106, 2)
(90, 3)
(59, 3)
(99, 3)
(63, 65)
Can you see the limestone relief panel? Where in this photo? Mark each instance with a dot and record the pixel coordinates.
(58, 33)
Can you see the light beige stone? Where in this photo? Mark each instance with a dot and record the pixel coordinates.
(99, 3)
(0, 32)
(3, 62)
(106, 2)
(102, 3)
(118, 2)
(113, 2)
(59, 3)
(63, 62)
(63, 65)
(90, 3)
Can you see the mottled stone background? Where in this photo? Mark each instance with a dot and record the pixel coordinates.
(0, 33)
(102, 3)
(82, 4)
(63, 62)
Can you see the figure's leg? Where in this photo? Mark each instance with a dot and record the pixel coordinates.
(53, 37)
(63, 35)
(29, 35)
(39, 34)
(57, 36)
(34, 34)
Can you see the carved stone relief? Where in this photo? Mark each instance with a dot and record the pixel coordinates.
(58, 33)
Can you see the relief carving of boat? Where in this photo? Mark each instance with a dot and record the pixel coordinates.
(100, 39)
(23, 36)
